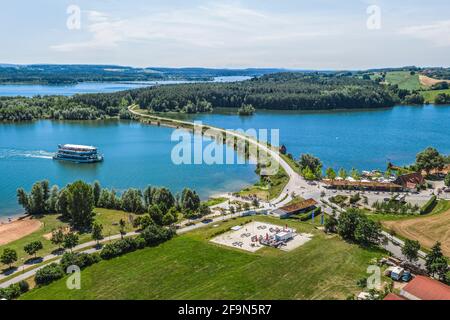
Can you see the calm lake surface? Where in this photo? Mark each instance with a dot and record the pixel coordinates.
(30, 90)
(136, 155)
(359, 139)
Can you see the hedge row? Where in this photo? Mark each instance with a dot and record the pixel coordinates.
(151, 236)
(307, 216)
(429, 206)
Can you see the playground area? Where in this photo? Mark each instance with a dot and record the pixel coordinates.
(256, 235)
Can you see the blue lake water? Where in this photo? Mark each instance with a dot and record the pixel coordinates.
(30, 90)
(359, 139)
(136, 155)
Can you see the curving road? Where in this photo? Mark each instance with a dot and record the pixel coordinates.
(295, 182)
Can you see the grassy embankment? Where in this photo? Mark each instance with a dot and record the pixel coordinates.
(108, 218)
(191, 267)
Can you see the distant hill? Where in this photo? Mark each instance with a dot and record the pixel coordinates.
(70, 74)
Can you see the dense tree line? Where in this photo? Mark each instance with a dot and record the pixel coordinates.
(287, 91)
(70, 74)
(78, 107)
(76, 203)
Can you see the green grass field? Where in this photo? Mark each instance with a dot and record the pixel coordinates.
(108, 218)
(191, 267)
(430, 95)
(215, 201)
(404, 80)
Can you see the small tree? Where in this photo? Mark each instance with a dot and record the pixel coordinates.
(156, 214)
(122, 226)
(342, 173)
(96, 190)
(436, 263)
(203, 210)
(331, 225)
(411, 250)
(70, 241)
(33, 247)
(447, 180)
(429, 159)
(97, 232)
(57, 237)
(8, 257)
(331, 174)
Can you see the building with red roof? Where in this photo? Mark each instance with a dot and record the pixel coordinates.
(393, 296)
(424, 288)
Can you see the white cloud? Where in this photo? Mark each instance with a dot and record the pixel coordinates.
(220, 26)
(437, 33)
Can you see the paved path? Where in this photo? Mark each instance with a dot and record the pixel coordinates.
(23, 272)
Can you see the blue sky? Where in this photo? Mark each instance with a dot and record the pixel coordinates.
(319, 34)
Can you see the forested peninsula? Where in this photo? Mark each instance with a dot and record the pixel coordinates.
(279, 91)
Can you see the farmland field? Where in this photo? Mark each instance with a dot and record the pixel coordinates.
(404, 80)
(430, 95)
(191, 267)
(426, 229)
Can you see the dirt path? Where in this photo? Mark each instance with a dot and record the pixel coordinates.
(428, 82)
(18, 229)
(426, 230)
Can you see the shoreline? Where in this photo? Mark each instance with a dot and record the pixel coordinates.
(7, 219)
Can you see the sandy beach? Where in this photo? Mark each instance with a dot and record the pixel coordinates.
(17, 229)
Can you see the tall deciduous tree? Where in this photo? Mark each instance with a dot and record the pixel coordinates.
(447, 180)
(33, 247)
(71, 240)
(190, 201)
(62, 205)
(164, 199)
(81, 204)
(8, 257)
(96, 189)
(57, 237)
(331, 174)
(156, 214)
(97, 232)
(429, 159)
(411, 250)
(436, 263)
(310, 166)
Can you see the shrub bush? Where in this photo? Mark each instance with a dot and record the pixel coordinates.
(82, 260)
(119, 248)
(48, 274)
(11, 292)
(154, 235)
(24, 286)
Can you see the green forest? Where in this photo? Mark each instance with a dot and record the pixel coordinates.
(282, 91)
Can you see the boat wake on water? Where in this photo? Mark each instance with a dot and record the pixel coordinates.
(15, 153)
